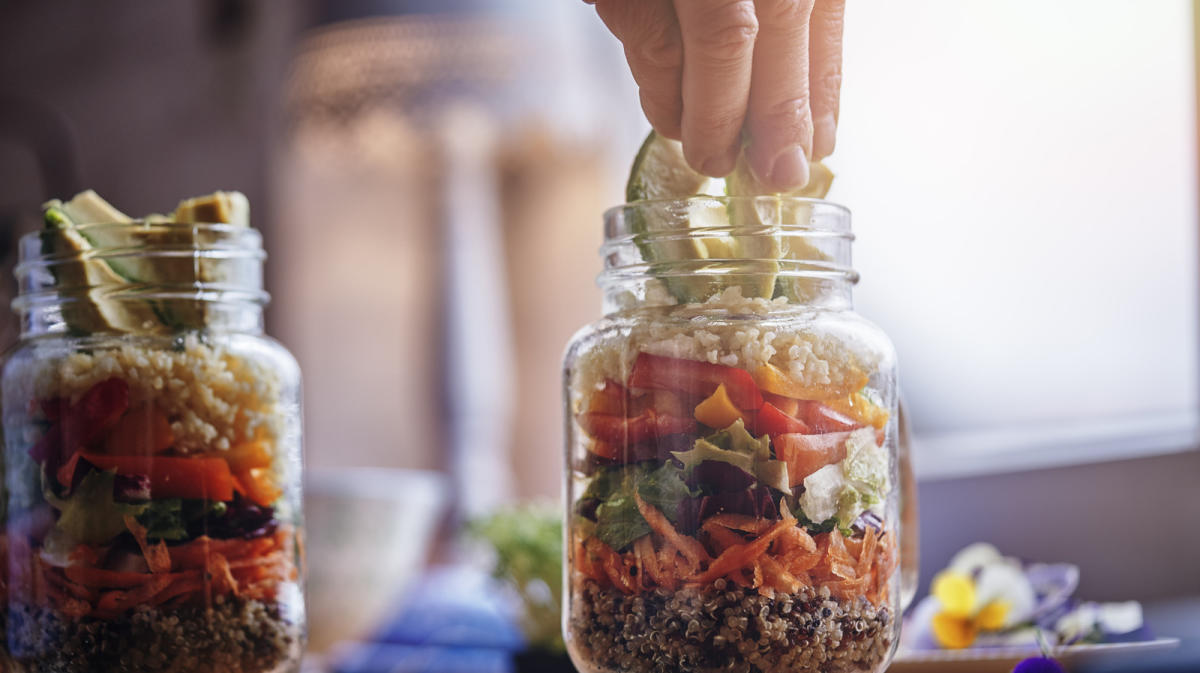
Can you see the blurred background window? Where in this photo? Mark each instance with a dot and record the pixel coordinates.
(1023, 181)
(441, 186)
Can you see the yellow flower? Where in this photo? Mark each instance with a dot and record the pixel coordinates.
(964, 611)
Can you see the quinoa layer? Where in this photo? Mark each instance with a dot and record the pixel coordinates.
(726, 628)
(234, 636)
(828, 354)
(212, 396)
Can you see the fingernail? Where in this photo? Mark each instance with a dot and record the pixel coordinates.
(718, 167)
(824, 135)
(790, 170)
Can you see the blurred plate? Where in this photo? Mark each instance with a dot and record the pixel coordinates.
(369, 535)
(1003, 659)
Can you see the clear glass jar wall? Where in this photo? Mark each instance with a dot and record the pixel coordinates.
(152, 458)
(731, 449)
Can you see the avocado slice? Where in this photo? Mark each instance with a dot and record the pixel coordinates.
(660, 171)
(103, 227)
(90, 223)
(762, 246)
(98, 312)
(97, 222)
(232, 208)
(763, 214)
(217, 208)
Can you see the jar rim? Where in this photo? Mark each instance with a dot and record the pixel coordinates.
(146, 225)
(678, 216)
(833, 205)
(699, 245)
(227, 240)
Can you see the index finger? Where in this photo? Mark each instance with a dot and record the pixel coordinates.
(718, 48)
(650, 33)
(779, 119)
(825, 77)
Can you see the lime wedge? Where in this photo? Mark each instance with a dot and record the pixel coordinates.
(660, 172)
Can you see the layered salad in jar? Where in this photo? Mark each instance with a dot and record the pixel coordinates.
(732, 488)
(150, 479)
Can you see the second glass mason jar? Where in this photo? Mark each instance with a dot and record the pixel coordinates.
(151, 458)
(731, 441)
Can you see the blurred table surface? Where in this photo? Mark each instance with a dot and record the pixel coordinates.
(428, 617)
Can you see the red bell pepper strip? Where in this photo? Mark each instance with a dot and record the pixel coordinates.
(695, 378)
(53, 408)
(787, 405)
(623, 431)
(83, 422)
(173, 477)
(769, 420)
(821, 418)
(615, 399)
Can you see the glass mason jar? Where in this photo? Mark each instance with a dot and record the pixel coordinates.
(732, 469)
(152, 458)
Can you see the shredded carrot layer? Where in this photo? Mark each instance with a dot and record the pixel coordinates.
(191, 573)
(768, 556)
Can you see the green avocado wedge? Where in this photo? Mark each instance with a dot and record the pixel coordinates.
(660, 173)
(765, 213)
(87, 225)
(76, 268)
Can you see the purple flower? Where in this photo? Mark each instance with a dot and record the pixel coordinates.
(1039, 665)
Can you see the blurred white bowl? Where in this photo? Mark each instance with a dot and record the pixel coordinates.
(369, 531)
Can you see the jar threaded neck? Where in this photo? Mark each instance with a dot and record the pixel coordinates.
(794, 250)
(140, 277)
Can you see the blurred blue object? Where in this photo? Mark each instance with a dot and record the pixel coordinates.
(455, 620)
(389, 658)
(455, 607)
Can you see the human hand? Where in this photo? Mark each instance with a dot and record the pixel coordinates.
(709, 70)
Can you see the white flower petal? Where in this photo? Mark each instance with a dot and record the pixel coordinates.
(1006, 582)
(1119, 618)
(973, 557)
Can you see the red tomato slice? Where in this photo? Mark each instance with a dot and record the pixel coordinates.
(622, 431)
(695, 379)
(661, 402)
(80, 424)
(805, 454)
(770, 420)
(821, 418)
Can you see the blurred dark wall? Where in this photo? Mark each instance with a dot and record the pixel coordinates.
(145, 102)
(1129, 525)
